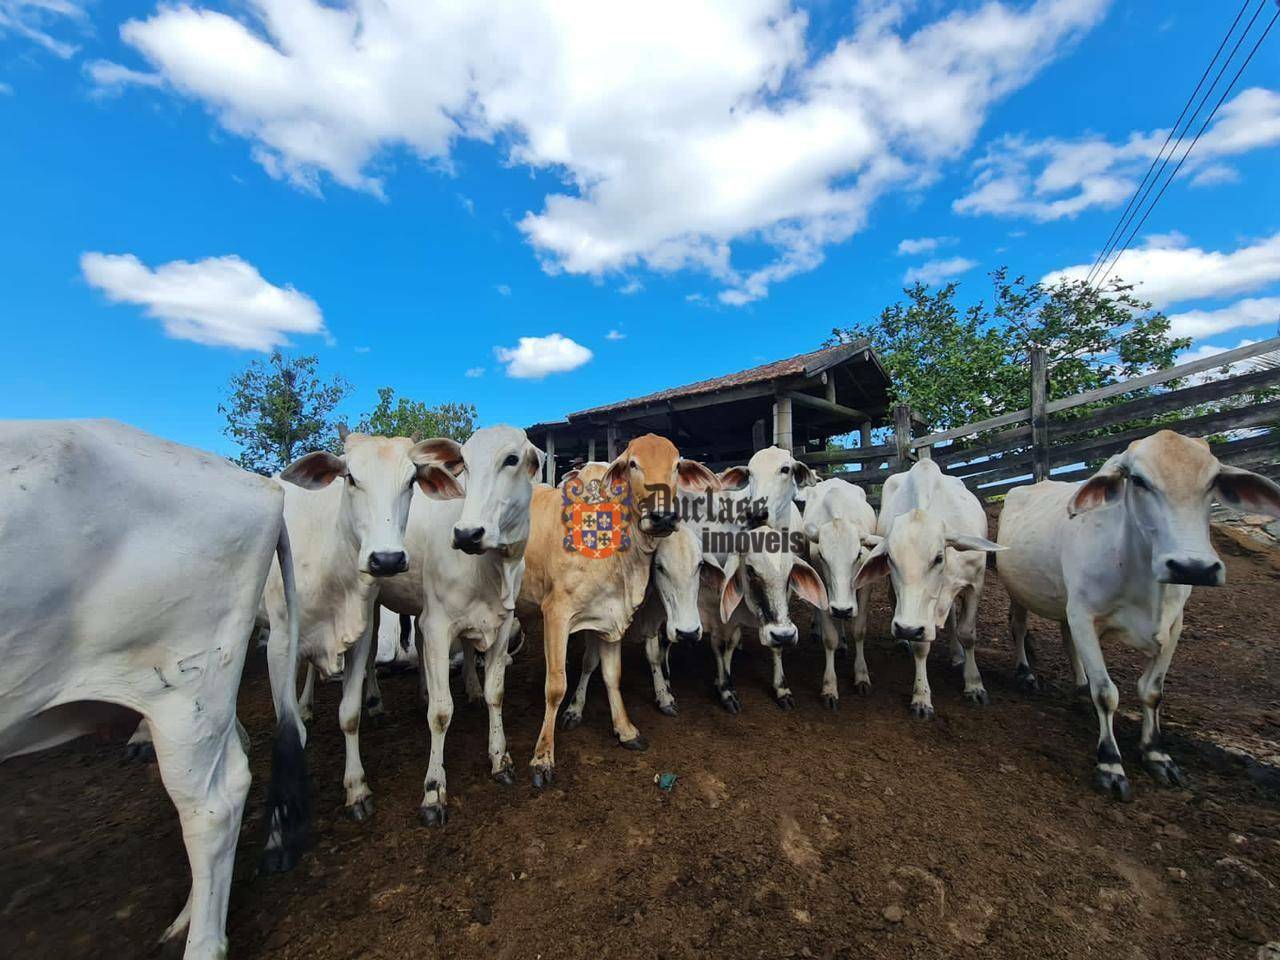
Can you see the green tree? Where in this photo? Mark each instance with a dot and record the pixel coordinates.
(403, 417)
(279, 409)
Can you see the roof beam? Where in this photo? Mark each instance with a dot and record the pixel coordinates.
(826, 406)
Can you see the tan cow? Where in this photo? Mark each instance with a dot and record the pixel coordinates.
(576, 592)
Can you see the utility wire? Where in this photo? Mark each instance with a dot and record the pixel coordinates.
(1124, 218)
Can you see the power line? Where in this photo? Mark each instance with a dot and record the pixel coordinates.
(1226, 93)
(1122, 221)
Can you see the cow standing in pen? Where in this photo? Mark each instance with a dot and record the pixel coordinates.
(576, 592)
(1116, 557)
(933, 552)
(131, 571)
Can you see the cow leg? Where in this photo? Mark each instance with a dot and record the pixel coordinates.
(359, 798)
(1077, 665)
(653, 651)
(207, 778)
(958, 657)
(723, 644)
(495, 678)
(781, 692)
(1109, 775)
(555, 646)
(921, 695)
(372, 692)
(572, 715)
(611, 669)
(965, 613)
(420, 641)
(1023, 675)
(307, 699)
(434, 811)
(470, 676)
(830, 643)
(1151, 691)
(861, 677)
(140, 748)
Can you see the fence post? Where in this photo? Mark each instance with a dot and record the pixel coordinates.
(1039, 416)
(902, 435)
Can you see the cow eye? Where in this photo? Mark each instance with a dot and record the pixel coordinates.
(1140, 482)
(511, 460)
(657, 567)
(785, 470)
(938, 559)
(633, 465)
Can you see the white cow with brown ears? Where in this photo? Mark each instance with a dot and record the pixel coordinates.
(1117, 556)
(934, 554)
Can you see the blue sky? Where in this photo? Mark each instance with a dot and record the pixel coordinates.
(408, 193)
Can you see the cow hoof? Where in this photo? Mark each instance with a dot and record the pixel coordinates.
(544, 773)
(922, 711)
(785, 702)
(433, 815)
(361, 810)
(979, 697)
(304, 714)
(863, 687)
(1114, 785)
(1165, 772)
(637, 743)
(669, 708)
(1027, 681)
(830, 701)
(279, 860)
(729, 700)
(506, 776)
(570, 719)
(373, 707)
(140, 752)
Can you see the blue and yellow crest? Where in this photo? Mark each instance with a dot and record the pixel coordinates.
(597, 520)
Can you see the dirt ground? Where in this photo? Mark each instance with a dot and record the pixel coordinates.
(858, 833)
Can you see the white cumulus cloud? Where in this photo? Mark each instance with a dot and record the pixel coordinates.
(39, 20)
(933, 272)
(678, 127)
(1168, 270)
(221, 301)
(536, 357)
(1254, 312)
(1052, 179)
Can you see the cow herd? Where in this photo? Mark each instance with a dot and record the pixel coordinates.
(134, 571)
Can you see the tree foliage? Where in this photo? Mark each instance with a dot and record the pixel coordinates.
(279, 409)
(956, 366)
(402, 417)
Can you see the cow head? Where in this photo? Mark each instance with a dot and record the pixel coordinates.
(378, 475)
(679, 569)
(763, 580)
(837, 548)
(656, 473)
(772, 476)
(924, 563)
(499, 465)
(1167, 483)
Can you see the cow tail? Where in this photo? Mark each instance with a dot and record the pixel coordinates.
(288, 799)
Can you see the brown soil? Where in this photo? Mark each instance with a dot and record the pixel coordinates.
(860, 833)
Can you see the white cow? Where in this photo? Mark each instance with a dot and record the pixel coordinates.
(755, 593)
(131, 569)
(1117, 556)
(348, 536)
(668, 615)
(934, 554)
(468, 549)
(840, 527)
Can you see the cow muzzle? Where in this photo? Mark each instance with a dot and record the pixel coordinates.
(661, 524)
(1192, 571)
(842, 613)
(911, 634)
(387, 563)
(468, 539)
(782, 637)
(689, 636)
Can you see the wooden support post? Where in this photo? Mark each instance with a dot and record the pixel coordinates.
(611, 441)
(1039, 415)
(829, 381)
(591, 448)
(758, 436)
(864, 433)
(902, 436)
(782, 423)
(551, 458)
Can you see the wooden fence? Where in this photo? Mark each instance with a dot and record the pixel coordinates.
(1067, 438)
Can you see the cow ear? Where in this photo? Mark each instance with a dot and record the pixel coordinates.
(711, 574)
(619, 472)
(874, 567)
(872, 540)
(804, 476)
(1099, 490)
(1247, 490)
(438, 452)
(534, 460)
(692, 475)
(962, 541)
(735, 478)
(315, 471)
(569, 477)
(806, 583)
(438, 483)
(731, 592)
